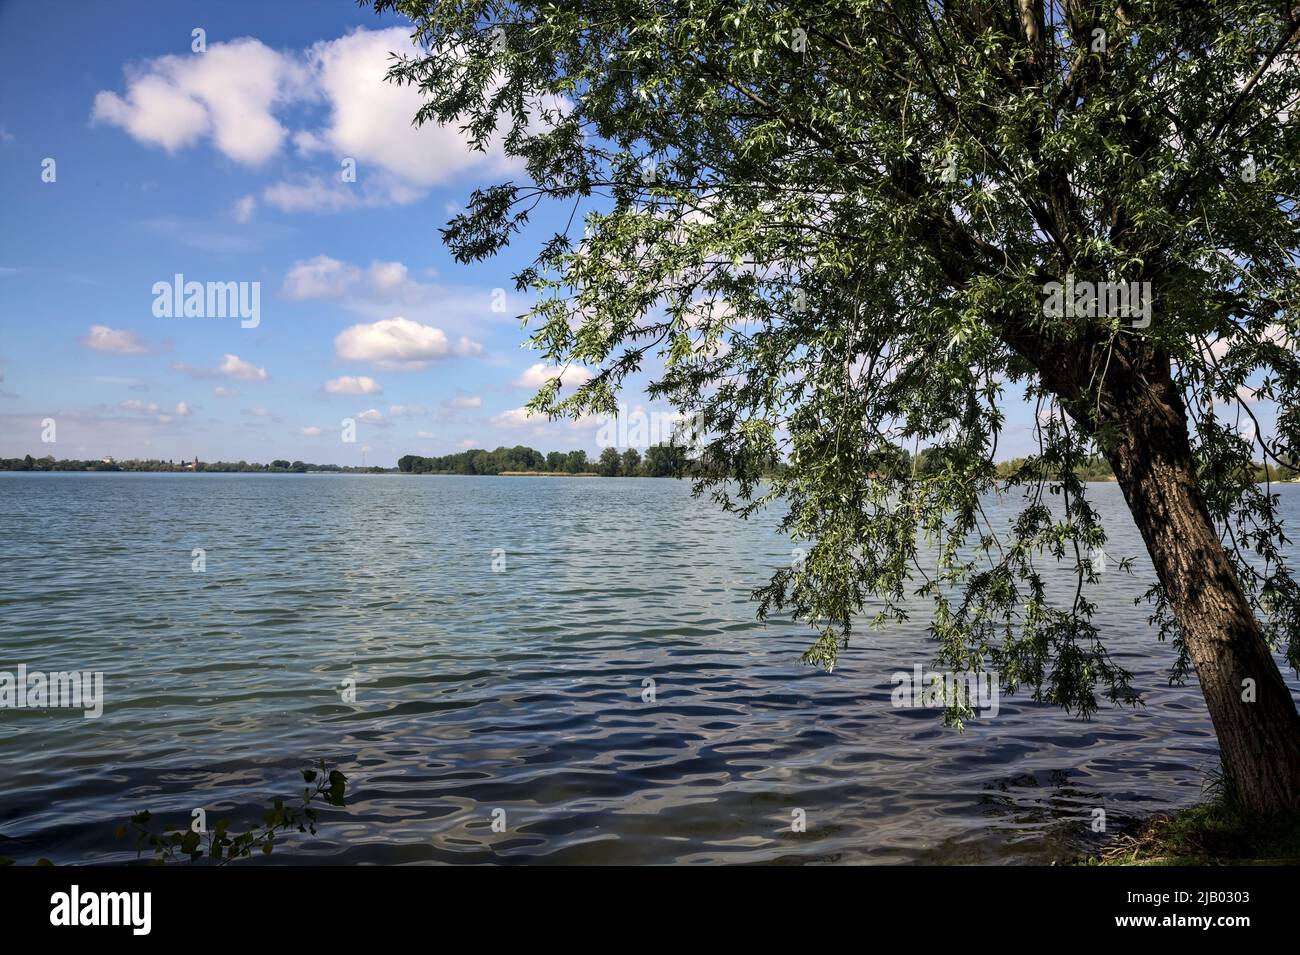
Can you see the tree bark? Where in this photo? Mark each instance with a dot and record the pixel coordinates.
(1151, 455)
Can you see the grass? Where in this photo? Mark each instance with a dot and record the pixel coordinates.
(1211, 833)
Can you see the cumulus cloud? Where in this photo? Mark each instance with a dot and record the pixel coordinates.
(539, 374)
(370, 119)
(324, 277)
(319, 278)
(226, 94)
(121, 342)
(400, 343)
(518, 418)
(311, 431)
(232, 366)
(235, 367)
(373, 417)
(462, 401)
(239, 95)
(382, 289)
(467, 348)
(353, 385)
(388, 277)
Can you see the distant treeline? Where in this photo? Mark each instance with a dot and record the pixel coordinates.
(662, 460)
(48, 463)
(1098, 469)
(659, 461)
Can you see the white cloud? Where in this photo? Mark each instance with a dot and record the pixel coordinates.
(353, 385)
(372, 415)
(232, 366)
(463, 401)
(244, 208)
(377, 291)
(182, 410)
(537, 375)
(237, 94)
(407, 411)
(321, 277)
(388, 277)
(307, 142)
(467, 348)
(399, 343)
(424, 434)
(226, 93)
(370, 119)
(154, 111)
(311, 194)
(103, 338)
(134, 404)
(324, 277)
(311, 431)
(235, 367)
(517, 418)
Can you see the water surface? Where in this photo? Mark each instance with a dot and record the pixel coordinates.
(521, 690)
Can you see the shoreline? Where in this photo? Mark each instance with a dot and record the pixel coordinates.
(1212, 833)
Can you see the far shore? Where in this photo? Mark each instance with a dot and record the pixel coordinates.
(548, 474)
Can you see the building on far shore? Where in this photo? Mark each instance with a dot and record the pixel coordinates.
(107, 459)
(193, 465)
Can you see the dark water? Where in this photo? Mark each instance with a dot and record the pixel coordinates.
(520, 690)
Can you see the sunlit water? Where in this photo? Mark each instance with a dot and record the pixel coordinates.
(521, 690)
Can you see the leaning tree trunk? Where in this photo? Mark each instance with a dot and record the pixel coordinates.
(1259, 740)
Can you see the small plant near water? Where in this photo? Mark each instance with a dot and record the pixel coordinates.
(220, 845)
(1220, 831)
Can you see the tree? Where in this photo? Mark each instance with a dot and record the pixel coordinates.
(849, 228)
(555, 461)
(575, 462)
(608, 465)
(631, 464)
(664, 460)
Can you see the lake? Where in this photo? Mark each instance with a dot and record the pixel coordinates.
(521, 694)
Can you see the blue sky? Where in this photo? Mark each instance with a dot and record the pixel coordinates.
(226, 166)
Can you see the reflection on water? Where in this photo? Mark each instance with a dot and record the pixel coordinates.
(521, 691)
